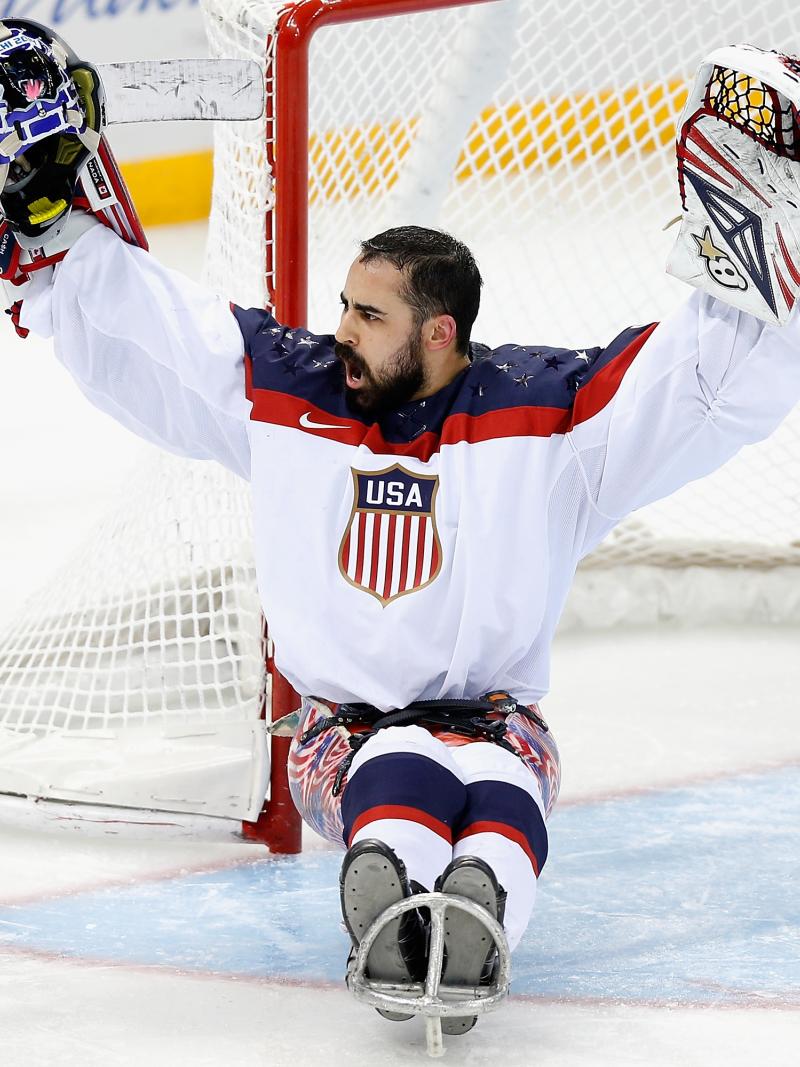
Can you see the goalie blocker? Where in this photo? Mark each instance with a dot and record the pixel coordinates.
(58, 176)
(738, 149)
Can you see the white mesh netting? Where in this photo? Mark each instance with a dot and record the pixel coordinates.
(542, 135)
(146, 652)
(155, 628)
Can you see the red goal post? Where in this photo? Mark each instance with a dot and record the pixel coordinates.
(287, 267)
(288, 132)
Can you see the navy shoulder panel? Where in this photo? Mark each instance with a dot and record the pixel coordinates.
(524, 376)
(292, 360)
(298, 363)
(535, 375)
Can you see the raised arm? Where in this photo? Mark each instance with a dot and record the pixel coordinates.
(145, 345)
(703, 383)
(157, 352)
(724, 370)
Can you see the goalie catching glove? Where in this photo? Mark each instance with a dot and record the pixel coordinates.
(57, 174)
(738, 148)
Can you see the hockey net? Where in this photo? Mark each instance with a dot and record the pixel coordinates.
(542, 135)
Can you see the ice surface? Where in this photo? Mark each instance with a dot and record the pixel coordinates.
(128, 1017)
(644, 902)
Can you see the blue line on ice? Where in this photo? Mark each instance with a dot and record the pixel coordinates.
(685, 895)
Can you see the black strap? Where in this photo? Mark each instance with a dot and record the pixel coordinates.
(469, 718)
(438, 712)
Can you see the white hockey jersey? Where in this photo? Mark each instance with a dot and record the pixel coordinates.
(427, 553)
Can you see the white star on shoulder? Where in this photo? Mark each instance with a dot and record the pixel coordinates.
(584, 357)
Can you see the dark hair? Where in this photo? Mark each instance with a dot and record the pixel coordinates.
(441, 275)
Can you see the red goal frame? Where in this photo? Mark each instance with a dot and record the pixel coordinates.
(287, 131)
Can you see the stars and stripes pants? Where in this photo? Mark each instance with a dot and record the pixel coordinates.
(433, 798)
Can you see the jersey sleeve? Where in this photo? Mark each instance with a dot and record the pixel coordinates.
(669, 404)
(157, 352)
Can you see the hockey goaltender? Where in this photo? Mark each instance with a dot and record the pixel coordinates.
(419, 516)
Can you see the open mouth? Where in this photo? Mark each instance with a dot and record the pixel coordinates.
(353, 374)
(355, 370)
(353, 367)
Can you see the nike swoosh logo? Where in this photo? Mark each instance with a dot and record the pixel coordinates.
(306, 423)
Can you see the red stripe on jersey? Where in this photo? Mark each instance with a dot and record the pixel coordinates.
(422, 529)
(372, 582)
(387, 585)
(281, 409)
(591, 400)
(362, 522)
(503, 830)
(404, 554)
(434, 557)
(248, 375)
(406, 814)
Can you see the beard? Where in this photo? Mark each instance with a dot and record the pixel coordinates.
(385, 390)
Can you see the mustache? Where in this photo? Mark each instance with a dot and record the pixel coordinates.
(345, 352)
(351, 361)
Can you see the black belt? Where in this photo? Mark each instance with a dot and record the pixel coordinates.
(468, 718)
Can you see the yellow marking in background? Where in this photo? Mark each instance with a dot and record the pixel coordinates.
(573, 128)
(171, 188)
(509, 140)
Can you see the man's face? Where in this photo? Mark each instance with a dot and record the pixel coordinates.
(378, 343)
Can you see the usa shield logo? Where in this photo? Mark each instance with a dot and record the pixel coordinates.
(391, 545)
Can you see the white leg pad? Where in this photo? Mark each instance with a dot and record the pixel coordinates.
(424, 852)
(486, 762)
(513, 871)
(412, 739)
(481, 762)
